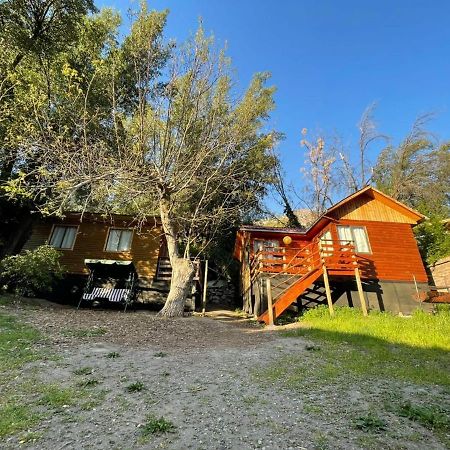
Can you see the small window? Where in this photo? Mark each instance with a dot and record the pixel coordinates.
(356, 236)
(119, 240)
(262, 245)
(63, 237)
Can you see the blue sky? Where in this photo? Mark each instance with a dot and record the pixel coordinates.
(330, 59)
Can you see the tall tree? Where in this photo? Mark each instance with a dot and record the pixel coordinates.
(185, 146)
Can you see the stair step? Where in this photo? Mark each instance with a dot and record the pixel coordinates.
(291, 295)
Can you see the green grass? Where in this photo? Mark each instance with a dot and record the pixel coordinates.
(396, 366)
(154, 425)
(24, 400)
(16, 344)
(113, 355)
(85, 332)
(430, 417)
(413, 349)
(370, 423)
(88, 383)
(55, 396)
(137, 386)
(83, 371)
(15, 418)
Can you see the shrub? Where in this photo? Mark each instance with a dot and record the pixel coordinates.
(31, 273)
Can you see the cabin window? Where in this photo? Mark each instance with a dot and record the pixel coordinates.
(356, 236)
(63, 237)
(260, 244)
(119, 240)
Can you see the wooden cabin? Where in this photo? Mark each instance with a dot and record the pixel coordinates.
(361, 252)
(112, 237)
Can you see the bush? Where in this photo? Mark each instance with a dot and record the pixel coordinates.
(31, 273)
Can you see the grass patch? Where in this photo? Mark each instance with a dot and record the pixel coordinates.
(113, 355)
(370, 423)
(85, 332)
(55, 396)
(154, 425)
(16, 343)
(83, 371)
(88, 383)
(412, 349)
(30, 437)
(137, 386)
(14, 418)
(160, 354)
(430, 417)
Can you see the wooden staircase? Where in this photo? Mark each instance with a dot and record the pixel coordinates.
(295, 270)
(291, 294)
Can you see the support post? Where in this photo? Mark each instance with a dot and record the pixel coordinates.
(205, 287)
(328, 290)
(269, 301)
(360, 291)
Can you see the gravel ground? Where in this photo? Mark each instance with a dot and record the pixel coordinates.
(198, 373)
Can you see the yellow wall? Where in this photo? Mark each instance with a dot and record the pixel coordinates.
(90, 243)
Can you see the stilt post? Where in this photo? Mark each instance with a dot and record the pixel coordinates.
(328, 290)
(269, 301)
(205, 287)
(360, 291)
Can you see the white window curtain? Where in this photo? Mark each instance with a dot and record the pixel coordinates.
(124, 241)
(345, 235)
(356, 236)
(63, 237)
(119, 240)
(69, 237)
(361, 240)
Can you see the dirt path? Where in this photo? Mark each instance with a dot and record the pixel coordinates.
(198, 373)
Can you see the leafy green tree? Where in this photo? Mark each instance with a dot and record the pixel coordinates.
(417, 174)
(173, 138)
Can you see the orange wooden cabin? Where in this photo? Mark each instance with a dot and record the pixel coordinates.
(361, 252)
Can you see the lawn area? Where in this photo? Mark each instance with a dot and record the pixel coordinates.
(413, 348)
(25, 400)
(399, 365)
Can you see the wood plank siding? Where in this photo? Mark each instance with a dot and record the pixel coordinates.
(394, 253)
(366, 208)
(90, 243)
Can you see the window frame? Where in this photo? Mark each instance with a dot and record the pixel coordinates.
(277, 241)
(105, 247)
(353, 237)
(55, 225)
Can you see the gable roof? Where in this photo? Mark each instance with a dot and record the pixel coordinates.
(383, 198)
(327, 216)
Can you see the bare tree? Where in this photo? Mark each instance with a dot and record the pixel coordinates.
(319, 170)
(356, 176)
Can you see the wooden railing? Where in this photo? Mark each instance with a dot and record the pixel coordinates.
(335, 255)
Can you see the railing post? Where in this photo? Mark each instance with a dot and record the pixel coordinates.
(269, 301)
(328, 290)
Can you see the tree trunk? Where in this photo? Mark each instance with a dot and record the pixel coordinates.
(182, 268)
(180, 287)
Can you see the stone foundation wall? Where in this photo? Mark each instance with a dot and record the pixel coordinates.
(441, 272)
(220, 292)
